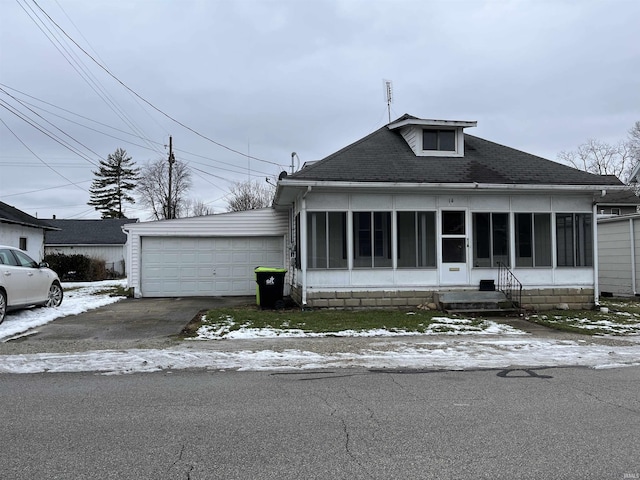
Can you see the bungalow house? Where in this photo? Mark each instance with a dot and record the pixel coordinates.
(416, 208)
(101, 239)
(21, 230)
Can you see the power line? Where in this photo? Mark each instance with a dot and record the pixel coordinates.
(145, 100)
(54, 126)
(79, 67)
(43, 130)
(35, 155)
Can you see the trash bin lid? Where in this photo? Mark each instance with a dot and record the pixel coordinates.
(270, 270)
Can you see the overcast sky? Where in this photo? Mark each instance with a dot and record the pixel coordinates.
(267, 78)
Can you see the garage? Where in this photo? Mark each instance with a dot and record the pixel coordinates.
(212, 255)
(216, 266)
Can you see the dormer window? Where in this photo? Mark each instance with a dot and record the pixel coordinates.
(439, 140)
(433, 138)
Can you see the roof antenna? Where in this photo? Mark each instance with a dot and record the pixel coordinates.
(388, 93)
(294, 154)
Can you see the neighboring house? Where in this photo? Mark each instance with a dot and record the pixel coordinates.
(414, 209)
(619, 203)
(619, 255)
(19, 229)
(101, 239)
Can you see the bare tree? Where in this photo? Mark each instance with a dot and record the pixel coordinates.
(197, 208)
(633, 141)
(153, 189)
(603, 158)
(599, 157)
(250, 196)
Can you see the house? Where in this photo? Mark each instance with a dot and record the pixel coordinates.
(101, 239)
(19, 229)
(416, 208)
(619, 255)
(624, 202)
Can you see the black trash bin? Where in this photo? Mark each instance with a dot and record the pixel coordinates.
(270, 288)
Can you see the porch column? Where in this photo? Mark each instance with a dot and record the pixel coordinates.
(303, 247)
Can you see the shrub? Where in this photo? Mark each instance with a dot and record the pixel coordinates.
(79, 268)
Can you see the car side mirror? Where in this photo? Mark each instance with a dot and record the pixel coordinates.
(43, 265)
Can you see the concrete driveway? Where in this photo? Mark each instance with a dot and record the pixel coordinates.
(129, 323)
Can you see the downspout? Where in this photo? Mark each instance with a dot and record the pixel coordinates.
(633, 256)
(303, 244)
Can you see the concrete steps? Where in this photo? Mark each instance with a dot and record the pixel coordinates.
(476, 302)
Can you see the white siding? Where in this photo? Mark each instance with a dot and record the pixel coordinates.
(10, 234)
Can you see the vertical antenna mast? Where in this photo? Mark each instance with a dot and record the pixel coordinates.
(388, 91)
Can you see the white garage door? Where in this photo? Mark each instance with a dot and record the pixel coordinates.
(183, 267)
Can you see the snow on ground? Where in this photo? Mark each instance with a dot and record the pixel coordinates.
(495, 346)
(440, 326)
(78, 298)
(456, 355)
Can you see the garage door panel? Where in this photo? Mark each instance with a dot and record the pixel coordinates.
(206, 266)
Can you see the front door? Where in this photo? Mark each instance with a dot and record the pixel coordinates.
(454, 248)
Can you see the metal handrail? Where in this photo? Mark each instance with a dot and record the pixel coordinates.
(509, 285)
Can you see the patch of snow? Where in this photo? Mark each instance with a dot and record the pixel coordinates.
(449, 355)
(78, 298)
(441, 326)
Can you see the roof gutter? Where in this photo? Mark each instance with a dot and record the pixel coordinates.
(449, 186)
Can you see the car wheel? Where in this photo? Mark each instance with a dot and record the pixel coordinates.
(3, 306)
(55, 295)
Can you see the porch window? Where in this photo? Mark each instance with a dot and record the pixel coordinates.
(533, 239)
(574, 239)
(372, 239)
(490, 239)
(416, 233)
(327, 239)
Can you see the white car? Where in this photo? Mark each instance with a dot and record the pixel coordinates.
(25, 283)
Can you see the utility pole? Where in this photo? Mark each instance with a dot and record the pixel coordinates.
(172, 160)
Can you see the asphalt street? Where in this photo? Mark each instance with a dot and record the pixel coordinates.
(554, 423)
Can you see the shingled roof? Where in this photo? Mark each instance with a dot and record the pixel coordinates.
(88, 232)
(384, 156)
(9, 214)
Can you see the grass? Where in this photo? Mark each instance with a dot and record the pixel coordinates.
(623, 318)
(328, 321)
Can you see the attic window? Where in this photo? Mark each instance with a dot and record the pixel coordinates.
(439, 140)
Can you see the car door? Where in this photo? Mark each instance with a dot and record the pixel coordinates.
(13, 278)
(33, 282)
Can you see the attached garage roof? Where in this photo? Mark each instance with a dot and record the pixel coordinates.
(261, 222)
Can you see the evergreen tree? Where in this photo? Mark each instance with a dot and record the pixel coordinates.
(115, 178)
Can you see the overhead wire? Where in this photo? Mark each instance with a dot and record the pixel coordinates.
(43, 130)
(153, 119)
(76, 63)
(106, 70)
(54, 126)
(36, 155)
